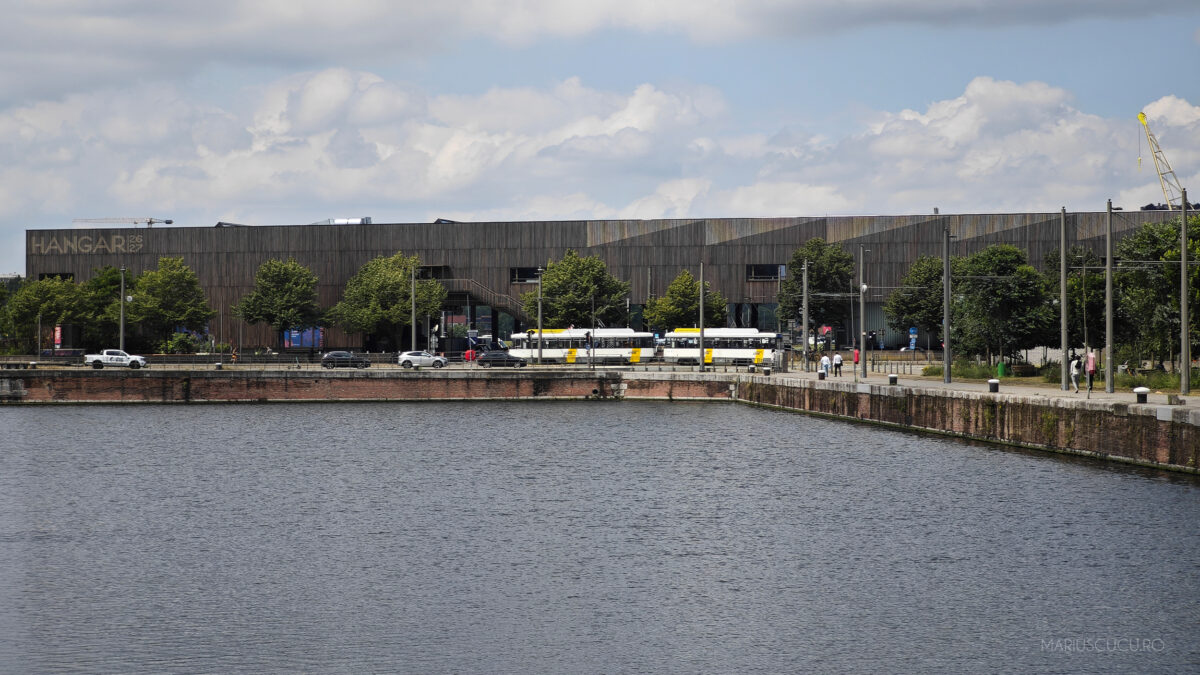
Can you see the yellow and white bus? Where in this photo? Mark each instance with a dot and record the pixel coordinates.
(583, 345)
(735, 346)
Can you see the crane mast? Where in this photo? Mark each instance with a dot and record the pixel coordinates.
(1172, 191)
(149, 222)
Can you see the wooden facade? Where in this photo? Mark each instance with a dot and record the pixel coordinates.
(479, 257)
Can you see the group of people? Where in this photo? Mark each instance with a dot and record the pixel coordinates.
(836, 362)
(1078, 366)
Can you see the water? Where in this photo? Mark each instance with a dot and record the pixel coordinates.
(574, 538)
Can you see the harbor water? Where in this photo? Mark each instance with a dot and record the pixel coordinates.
(574, 537)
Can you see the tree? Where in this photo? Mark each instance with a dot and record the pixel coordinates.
(284, 296)
(378, 298)
(570, 287)
(54, 300)
(920, 301)
(1147, 286)
(166, 299)
(1002, 305)
(830, 278)
(1085, 294)
(100, 308)
(680, 307)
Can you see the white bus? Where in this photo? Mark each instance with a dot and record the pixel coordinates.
(578, 345)
(740, 346)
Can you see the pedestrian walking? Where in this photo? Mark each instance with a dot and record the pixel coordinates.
(1075, 367)
(837, 364)
(825, 364)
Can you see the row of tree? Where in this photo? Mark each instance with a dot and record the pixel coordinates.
(1000, 304)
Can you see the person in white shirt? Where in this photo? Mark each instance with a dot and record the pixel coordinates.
(837, 364)
(825, 364)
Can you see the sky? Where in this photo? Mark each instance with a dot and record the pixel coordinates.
(295, 111)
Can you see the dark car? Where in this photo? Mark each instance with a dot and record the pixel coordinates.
(344, 360)
(499, 358)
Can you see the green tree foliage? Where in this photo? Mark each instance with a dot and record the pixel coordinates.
(830, 277)
(100, 309)
(1085, 294)
(680, 307)
(55, 300)
(1147, 287)
(919, 302)
(168, 298)
(284, 296)
(1001, 305)
(569, 288)
(378, 298)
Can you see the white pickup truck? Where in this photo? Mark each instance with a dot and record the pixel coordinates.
(114, 357)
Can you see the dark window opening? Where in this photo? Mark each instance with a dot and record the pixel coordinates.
(523, 275)
(434, 272)
(764, 272)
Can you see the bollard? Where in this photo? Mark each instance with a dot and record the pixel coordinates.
(892, 380)
(993, 386)
(217, 365)
(766, 370)
(820, 374)
(1141, 393)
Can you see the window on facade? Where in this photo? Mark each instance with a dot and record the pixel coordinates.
(523, 275)
(763, 272)
(434, 272)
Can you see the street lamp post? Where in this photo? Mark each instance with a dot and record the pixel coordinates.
(946, 304)
(122, 346)
(1185, 341)
(862, 311)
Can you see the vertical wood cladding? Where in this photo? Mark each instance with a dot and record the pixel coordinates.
(647, 253)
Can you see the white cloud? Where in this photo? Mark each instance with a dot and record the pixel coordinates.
(339, 141)
(51, 47)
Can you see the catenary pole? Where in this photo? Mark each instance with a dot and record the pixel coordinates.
(1185, 342)
(804, 317)
(701, 316)
(1108, 302)
(946, 303)
(413, 297)
(1062, 295)
(862, 311)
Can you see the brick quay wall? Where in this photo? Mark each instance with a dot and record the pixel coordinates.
(1147, 434)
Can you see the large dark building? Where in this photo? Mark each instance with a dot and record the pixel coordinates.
(487, 266)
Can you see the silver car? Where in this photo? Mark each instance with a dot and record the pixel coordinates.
(420, 359)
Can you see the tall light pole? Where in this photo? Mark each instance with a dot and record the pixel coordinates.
(946, 304)
(122, 346)
(1185, 341)
(862, 310)
(1062, 295)
(1109, 385)
(702, 316)
(539, 356)
(413, 297)
(804, 317)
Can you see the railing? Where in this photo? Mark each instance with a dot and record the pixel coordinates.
(488, 296)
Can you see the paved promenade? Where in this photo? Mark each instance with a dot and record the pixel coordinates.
(1025, 386)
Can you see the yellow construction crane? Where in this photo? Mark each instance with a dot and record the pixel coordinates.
(1172, 191)
(133, 221)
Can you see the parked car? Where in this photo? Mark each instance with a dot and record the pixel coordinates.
(114, 357)
(344, 360)
(499, 358)
(420, 359)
